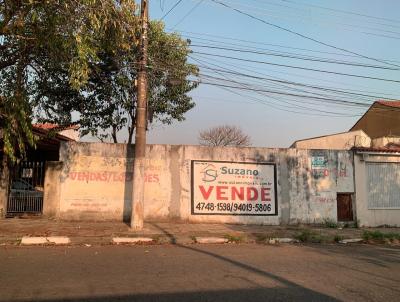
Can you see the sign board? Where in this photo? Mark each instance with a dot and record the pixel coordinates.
(318, 162)
(233, 188)
(319, 166)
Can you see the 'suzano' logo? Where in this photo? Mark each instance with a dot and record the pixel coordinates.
(209, 173)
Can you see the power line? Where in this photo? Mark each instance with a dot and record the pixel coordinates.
(322, 60)
(259, 10)
(343, 11)
(313, 102)
(285, 93)
(188, 13)
(301, 35)
(302, 68)
(251, 69)
(383, 111)
(259, 43)
(296, 84)
(279, 107)
(172, 8)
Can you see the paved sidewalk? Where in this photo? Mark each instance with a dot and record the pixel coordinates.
(98, 233)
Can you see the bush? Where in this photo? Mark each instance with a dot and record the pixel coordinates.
(304, 236)
(233, 238)
(338, 238)
(329, 223)
(379, 236)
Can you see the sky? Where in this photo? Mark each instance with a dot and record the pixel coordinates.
(347, 31)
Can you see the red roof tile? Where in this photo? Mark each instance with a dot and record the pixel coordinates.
(395, 104)
(50, 126)
(380, 149)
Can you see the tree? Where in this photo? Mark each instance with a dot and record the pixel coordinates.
(225, 135)
(107, 103)
(38, 36)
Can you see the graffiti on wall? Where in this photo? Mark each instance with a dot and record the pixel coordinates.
(106, 176)
(319, 166)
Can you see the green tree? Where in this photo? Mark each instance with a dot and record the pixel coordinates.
(41, 35)
(107, 103)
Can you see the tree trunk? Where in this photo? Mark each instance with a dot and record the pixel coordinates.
(114, 134)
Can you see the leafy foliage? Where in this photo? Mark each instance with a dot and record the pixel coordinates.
(36, 36)
(107, 103)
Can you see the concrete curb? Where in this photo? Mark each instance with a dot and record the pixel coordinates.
(94, 241)
(283, 240)
(45, 240)
(132, 240)
(207, 240)
(355, 240)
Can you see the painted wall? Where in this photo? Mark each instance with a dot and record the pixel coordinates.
(96, 182)
(372, 217)
(339, 141)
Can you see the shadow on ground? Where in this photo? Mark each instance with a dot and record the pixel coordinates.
(234, 295)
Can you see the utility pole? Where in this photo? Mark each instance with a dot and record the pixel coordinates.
(141, 121)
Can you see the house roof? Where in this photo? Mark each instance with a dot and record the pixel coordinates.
(49, 132)
(51, 126)
(389, 148)
(387, 103)
(327, 135)
(394, 104)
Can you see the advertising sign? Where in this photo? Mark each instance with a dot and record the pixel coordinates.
(318, 162)
(233, 188)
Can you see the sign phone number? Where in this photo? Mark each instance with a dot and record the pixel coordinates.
(233, 188)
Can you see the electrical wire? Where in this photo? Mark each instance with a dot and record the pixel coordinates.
(299, 67)
(322, 60)
(172, 8)
(185, 34)
(251, 69)
(300, 34)
(342, 11)
(188, 13)
(259, 10)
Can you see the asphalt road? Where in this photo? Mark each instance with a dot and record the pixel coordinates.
(226, 273)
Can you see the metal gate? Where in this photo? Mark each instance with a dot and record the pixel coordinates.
(383, 185)
(26, 188)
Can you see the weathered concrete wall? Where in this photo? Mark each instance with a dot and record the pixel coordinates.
(372, 217)
(313, 187)
(383, 141)
(51, 198)
(96, 182)
(339, 141)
